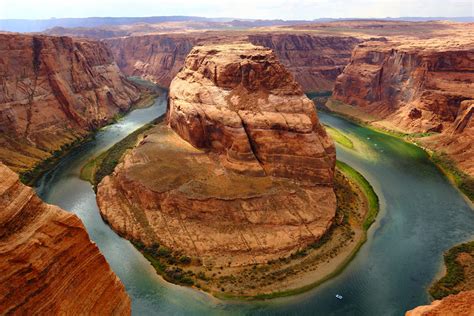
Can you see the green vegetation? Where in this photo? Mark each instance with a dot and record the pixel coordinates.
(30, 177)
(104, 164)
(455, 276)
(373, 208)
(462, 180)
(366, 188)
(339, 137)
(165, 263)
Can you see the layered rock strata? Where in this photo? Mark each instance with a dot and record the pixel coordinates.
(48, 264)
(243, 173)
(460, 304)
(53, 91)
(422, 86)
(315, 61)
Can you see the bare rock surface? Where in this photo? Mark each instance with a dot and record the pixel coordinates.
(244, 172)
(53, 91)
(314, 60)
(460, 304)
(48, 265)
(417, 86)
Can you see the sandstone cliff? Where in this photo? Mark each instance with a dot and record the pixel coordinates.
(454, 305)
(48, 264)
(241, 103)
(419, 86)
(244, 175)
(54, 90)
(315, 61)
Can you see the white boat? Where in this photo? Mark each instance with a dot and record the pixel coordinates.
(339, 296)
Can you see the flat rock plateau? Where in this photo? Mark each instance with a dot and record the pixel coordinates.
(48, 265)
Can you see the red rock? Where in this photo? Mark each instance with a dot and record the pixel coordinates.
(461, 304)
(48, 265)
(417, 86)
(258, 183)
(240, 102)
(54, 90)
(315, 61)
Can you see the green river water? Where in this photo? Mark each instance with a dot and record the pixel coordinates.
(422, 215)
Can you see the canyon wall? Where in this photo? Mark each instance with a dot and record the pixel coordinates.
(460, 304)
(418, 86)
(53, 91)
(48, 264)
(243, 173)
(315, 61)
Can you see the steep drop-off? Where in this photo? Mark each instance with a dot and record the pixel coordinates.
(421, 86)
(244, 172)
(48, 265)
(315, 61)
(53, 91)
(454, 305)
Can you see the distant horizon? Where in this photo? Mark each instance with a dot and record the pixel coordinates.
(238, 9)
(238, 18)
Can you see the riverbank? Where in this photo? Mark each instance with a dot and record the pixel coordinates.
(30, 177)
(459, 263)
(457, 177)
(304, 269)
(104, 164)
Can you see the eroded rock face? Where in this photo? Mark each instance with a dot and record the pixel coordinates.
(243, 173)
(315, 61)
(241, 103)
(54, 90)
(454, 305)
(424, 86)
(48, 264)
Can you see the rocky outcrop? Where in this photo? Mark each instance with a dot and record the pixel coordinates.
(241, 103)
(154, 57)
(420, 86)
(242, 175)
(48, 264)
(315, 61)
(454, 305)
(54, 90)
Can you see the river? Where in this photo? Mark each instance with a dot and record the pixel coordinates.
(422, 215)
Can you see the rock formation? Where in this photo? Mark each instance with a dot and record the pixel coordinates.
(241, 103)
(315, 61)
(54, 90)
(48, 264)
(454, 305)
(244, 175)
(418, 86)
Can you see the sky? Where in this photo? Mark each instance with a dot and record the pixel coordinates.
(254, 9)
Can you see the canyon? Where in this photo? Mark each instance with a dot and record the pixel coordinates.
(54, 91)
(315, 61)
(242, 174)
(237, 117)
(48, 263)
(424, 88)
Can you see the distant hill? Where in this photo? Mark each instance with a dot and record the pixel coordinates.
(23, 25)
